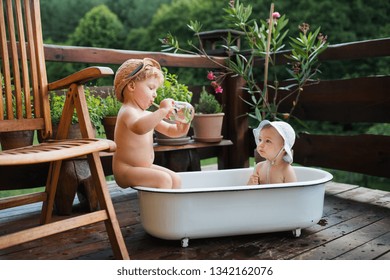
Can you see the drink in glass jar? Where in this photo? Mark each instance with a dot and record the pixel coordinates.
(182, 112)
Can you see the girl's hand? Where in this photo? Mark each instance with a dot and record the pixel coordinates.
(253, 180)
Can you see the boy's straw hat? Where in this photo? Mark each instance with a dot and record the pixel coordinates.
(129, 70)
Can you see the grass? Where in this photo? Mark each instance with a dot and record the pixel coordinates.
(8, 193)
(208, 161)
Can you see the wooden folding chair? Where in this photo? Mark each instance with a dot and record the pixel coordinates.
(25, 85)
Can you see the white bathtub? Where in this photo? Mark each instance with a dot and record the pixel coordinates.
(219, 203)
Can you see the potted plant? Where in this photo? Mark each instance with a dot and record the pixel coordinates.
(110, 111)
(95, 110)
(208, 119)
(15, 139)
(171, 88)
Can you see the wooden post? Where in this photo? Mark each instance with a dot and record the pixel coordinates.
(235, 125)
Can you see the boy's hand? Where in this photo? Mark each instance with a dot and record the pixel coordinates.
(182, 128)
(167, 104)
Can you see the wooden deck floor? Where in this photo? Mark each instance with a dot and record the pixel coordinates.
(355, 225)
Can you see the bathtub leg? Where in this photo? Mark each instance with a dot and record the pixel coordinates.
(184, 242)
(296, 232)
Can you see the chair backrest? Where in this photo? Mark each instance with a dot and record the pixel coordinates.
(24, 104)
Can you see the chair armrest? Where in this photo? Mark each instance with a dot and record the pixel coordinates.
(81, 77)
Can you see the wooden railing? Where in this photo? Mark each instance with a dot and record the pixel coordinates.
(363, 99)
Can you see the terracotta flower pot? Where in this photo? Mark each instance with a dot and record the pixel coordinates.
(109, 123)
(16, 139)
(208, 127)
(73, 133)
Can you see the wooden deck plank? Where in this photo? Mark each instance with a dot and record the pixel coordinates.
(384, 201)
(74, 243)
(362, 195)
(330, 228)
(351, 228)
(354, 233)
(335, 188)
(385, 256)
(370, 250)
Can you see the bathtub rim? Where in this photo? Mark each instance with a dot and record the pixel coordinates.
(326, 178)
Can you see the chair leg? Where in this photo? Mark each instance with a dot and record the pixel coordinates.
(51, 188)
(112, 225)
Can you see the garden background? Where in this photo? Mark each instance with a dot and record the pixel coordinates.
(138, 24)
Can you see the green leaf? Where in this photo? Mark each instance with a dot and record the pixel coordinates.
(258, 114)
(297, 41)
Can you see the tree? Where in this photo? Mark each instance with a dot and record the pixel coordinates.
(135, 13)
(98, 28)
(60, 18)
(174, 17)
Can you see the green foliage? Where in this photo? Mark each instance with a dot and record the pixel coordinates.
(14, 106)
(134, 13)
(111, 105)
(60, 18)
(343, 22)
(380, 129)
(174, 17)
(95, 110)
(208, 104)
(95, 106)
(98, 28)
(13, 101)
(303, 60)
(56, 106)
(172, 89)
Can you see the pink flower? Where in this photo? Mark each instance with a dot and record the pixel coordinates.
(210, 76)
(218, 89)
(214, 83)
(275, 15)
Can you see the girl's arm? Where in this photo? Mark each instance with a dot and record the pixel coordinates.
(290, 175)
(254, 179)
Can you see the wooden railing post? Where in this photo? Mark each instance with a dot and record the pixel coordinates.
(235, 122)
